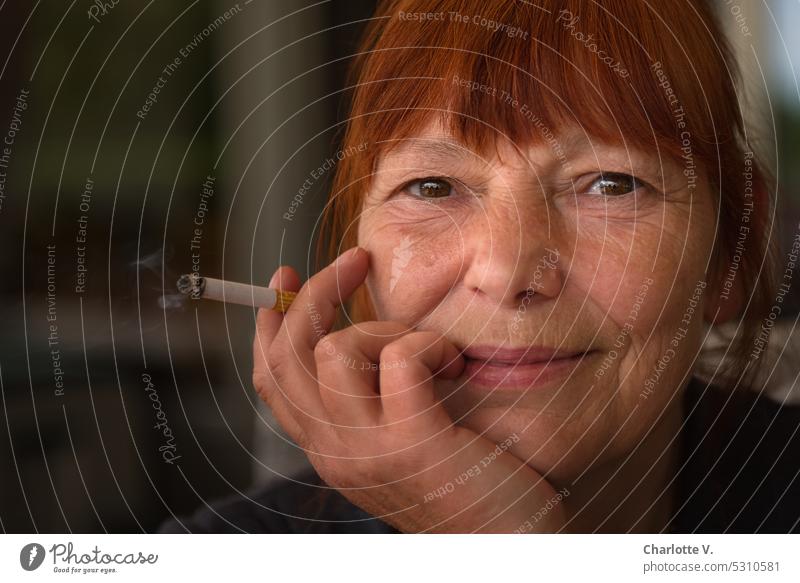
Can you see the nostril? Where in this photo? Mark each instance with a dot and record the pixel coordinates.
(526, 294)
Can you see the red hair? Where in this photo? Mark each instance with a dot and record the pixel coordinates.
(653, 76)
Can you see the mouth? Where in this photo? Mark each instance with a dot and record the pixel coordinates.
(527, 367)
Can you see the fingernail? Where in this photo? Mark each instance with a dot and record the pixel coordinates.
(347, 255)
(274, 280)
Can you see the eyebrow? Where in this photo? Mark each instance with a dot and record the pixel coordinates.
(441, 150)
(430, 148)
(433, 151)
(436, 149)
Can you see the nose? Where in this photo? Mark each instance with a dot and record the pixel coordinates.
(511, 257)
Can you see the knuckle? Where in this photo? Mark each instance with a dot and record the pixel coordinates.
(325, 348)
(263, 386)
(393, 351)
(408, 344)
(259, 382)
(277, 360)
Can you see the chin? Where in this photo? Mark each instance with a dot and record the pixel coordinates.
(550, 442)
(546, 452)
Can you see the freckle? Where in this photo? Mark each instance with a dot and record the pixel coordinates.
(429, 259)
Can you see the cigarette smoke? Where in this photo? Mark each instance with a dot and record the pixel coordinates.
(155, 266)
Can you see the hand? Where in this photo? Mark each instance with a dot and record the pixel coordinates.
(361, 404)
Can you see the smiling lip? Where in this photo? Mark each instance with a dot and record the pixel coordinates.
(526, 367)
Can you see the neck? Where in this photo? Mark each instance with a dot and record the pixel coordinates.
(635, 493)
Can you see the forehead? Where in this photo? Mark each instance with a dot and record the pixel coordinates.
(489, 85)
(435, 143)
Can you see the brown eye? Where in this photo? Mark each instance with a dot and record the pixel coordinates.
(430, 188)
(615, 184)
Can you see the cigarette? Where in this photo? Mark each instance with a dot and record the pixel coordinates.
(232, 292)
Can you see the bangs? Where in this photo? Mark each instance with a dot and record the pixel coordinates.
(520, 71)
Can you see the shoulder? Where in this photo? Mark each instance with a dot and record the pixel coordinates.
(304, 504)
(740, 467)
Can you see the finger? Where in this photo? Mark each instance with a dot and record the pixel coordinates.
(267, 324)
(269, 321)
(347, 368)
(321, 295)
(407, 390)
(309, 318)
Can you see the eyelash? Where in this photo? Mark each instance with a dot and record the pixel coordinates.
(637, 184)
(447, 180)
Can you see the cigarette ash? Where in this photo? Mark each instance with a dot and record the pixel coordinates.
(192, 285)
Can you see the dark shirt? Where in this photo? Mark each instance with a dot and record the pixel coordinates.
(739, 473)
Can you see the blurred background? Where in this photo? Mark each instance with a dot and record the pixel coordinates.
(142, 140)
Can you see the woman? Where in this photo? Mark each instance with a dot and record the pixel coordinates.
(554, 203)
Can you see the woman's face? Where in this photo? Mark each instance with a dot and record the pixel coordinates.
(534, 249)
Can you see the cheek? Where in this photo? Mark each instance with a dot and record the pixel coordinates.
(414, 263)
(611, 264)
(648, 283)
(659, 310)
(658, 256)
